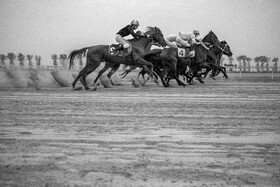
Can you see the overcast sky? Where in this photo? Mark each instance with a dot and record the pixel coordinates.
(46, 27)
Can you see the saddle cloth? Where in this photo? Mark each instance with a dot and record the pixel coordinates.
(122, 53)
(183, 52)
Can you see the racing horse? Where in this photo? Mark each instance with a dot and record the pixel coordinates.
(101, 53)
(172, 65)
(218, 52)
(214, 56)
(211, 60)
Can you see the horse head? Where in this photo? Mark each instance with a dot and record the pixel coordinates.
(211, 38)
(226, 48)
(155, 35)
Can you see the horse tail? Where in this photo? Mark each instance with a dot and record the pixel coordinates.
(76, 53)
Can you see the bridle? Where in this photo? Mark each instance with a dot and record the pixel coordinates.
(224, 49)
(151, 38)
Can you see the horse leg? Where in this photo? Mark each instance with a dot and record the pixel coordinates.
(196, 69)
(159, 73)
(207, 67)
(143, 72)
(156, 78)
(186, 74)
(224, 71)
(81, 73)
(162, 75)
(189, 74)
(179, 82)
(107, 66)
(168, 82)
(83, 78)
(146, 65)
(213, 72)
(177, 73)
(199, 78)
(113, 70)
(138, 80)
(219, 69)
(176, 77)
(124, 74)
(155, 75)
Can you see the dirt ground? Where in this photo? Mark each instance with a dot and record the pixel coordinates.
(222, 133)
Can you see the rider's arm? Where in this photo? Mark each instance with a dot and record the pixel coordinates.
(131, 31)
(182, 42)
(194, 40)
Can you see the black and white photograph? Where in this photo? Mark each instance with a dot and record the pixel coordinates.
(139, 93)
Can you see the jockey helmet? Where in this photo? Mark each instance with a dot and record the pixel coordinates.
(196, 32)
(135, 22)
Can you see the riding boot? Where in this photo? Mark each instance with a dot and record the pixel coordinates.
(119, 47)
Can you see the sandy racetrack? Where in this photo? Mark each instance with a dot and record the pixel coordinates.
(223, 133)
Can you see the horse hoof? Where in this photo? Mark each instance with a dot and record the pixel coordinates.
(78, 88)
(201, 81)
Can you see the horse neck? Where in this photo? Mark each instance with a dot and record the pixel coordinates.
(217, 51)
(205, 39)
(142, 42)
(219, 56)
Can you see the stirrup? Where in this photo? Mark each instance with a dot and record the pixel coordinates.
(114, 51)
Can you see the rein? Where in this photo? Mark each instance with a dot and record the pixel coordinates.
(213, 45)
(153, 42)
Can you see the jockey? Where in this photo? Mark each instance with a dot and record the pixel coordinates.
(184, 40)
(126, 31)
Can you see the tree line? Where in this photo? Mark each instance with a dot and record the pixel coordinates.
(21, 59)
(57, 59)
(261, 63)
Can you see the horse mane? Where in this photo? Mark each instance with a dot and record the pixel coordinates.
(210, 33)
(206, 36)
(213, 34)
(150, 29)
(223, 42)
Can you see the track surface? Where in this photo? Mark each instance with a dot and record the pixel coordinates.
(223, 133)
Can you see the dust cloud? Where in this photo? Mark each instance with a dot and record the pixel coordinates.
(40, 77)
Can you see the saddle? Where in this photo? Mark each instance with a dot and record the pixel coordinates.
(113, 50)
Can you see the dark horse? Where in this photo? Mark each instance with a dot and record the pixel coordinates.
(218, 52)
(100, 53)
(214, 56)
(207, 59)
(167, 62)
